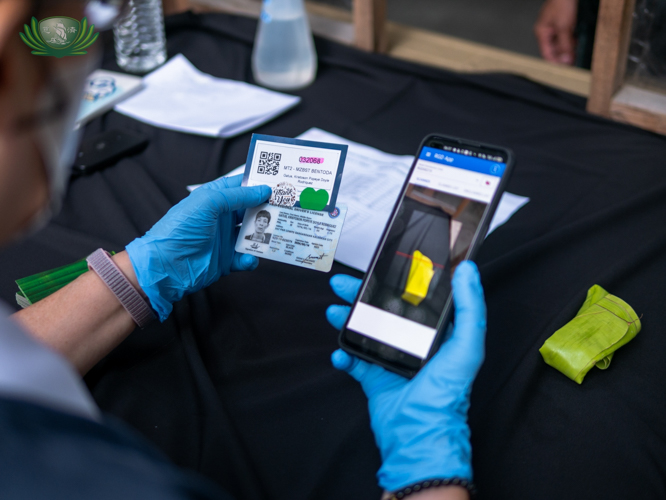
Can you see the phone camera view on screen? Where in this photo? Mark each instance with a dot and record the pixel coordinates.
(403, 301)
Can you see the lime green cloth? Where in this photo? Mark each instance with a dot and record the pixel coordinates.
(602, 325)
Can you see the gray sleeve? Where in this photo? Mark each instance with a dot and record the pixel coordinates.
(32, 372)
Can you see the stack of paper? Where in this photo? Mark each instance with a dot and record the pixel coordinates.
(179, 97)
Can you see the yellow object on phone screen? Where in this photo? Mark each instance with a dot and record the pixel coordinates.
(418, 280)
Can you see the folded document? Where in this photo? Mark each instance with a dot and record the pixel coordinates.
(179, 97)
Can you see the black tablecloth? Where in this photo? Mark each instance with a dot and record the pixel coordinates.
(237, 382)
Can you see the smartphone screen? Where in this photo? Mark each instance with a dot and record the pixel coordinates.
(405, 299)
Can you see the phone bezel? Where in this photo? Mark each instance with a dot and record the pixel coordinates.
(373, 347)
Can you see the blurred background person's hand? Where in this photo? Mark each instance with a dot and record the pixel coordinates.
(555, 31)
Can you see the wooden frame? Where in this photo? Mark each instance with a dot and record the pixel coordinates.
(174, 6)
(610, 95)
(369, 19)
(413, 44)
(370, 25)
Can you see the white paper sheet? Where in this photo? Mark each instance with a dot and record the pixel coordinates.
(179, 97)
(370, 186)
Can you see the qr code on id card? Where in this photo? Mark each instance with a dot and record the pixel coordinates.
(269, 163)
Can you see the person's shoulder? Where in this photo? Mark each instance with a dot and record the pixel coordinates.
(267, 237)
(248, 237)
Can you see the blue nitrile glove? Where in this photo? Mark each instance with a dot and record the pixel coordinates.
(193, 244)
(420, 425)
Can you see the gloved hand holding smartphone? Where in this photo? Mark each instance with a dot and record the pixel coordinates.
(420, 425)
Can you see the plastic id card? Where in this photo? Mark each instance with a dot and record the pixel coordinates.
(304, 238)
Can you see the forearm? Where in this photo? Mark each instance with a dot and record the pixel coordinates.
(441, 493)
(83, 321)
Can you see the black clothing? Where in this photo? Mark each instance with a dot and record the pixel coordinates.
(49, 454)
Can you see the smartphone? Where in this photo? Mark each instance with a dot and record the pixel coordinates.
(107, 149)
(405, 304)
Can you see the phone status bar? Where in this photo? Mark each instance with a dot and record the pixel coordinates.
(475, 154)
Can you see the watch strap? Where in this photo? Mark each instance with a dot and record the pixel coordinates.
(101, 262)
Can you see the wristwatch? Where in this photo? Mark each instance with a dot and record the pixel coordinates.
(101, 262)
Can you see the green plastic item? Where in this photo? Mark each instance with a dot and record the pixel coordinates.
(39, 286)
(602, 325)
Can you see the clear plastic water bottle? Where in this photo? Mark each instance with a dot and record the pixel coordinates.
(284, 56)
(139, 37)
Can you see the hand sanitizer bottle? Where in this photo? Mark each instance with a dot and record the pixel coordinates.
(284, 57)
